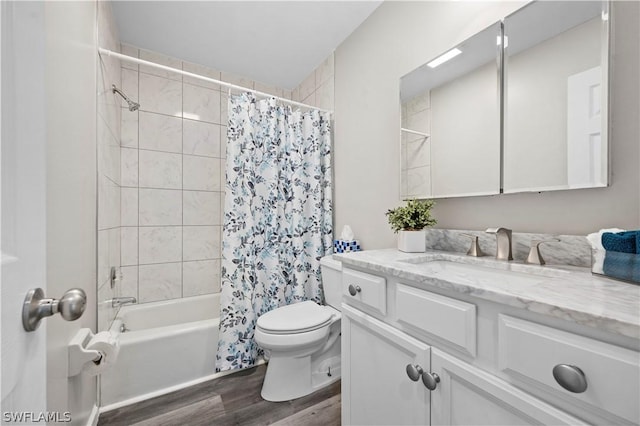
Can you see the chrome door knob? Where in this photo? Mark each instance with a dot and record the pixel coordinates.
(414, 372)
(353, 290)
(71, 306)
(430, 380)
(570, 377)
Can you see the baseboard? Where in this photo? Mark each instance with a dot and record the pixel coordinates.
(93, 417)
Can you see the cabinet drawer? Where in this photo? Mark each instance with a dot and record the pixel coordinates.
(360, 288)
(530, 351)
(441, 316)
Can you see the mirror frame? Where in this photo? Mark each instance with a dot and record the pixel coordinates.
(502, 89)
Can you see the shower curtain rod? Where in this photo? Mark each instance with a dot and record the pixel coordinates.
(201, 77)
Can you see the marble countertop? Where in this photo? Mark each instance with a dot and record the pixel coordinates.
(568, 293)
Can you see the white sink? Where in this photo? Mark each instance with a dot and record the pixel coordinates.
(505, 273)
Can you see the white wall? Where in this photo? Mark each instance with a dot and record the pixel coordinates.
(400, 36)
(71, 191)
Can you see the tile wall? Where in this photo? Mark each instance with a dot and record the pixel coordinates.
(172, 177)
(415, 149)
(108, 165)
(318, 88)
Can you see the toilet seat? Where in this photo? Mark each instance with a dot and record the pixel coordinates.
(300, 317)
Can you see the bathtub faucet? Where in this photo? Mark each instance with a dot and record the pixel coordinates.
(119, 301)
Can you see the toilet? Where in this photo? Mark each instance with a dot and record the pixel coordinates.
(303, 341)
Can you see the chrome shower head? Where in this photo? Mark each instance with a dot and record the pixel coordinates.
(133, 106)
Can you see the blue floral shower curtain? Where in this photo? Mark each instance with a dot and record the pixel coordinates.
(277, 220)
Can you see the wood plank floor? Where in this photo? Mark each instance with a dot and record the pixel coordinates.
(230, 400)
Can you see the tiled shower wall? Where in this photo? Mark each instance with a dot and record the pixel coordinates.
(318, 88)
(108, 165)
(172, 177)
(416, 149)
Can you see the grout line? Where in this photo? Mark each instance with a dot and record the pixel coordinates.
(182, 184)
(178, 261)
(176, 116)
(172, 152)
(138, 187)
(173, 189)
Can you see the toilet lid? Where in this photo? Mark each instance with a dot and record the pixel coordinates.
(296, 318)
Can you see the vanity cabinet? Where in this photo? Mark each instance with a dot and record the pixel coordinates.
(467, 395)
(376, 389)
(474, 363)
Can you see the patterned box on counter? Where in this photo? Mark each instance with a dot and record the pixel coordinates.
(343, 246)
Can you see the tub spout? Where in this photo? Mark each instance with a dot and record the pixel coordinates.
(119, 301)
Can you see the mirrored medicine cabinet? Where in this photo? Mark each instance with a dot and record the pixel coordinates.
(520, 106)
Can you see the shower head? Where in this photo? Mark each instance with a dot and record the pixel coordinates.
(133, 106)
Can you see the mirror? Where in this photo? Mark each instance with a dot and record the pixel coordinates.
(554, 114)
(450, 137)
(556, 62)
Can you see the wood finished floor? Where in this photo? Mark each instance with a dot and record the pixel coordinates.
(230, 400)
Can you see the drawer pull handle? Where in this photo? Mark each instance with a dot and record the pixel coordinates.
(414, 372)
(353, 290)
(430, 380)
(570, 377)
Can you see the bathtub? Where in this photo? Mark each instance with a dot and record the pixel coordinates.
(165, 346)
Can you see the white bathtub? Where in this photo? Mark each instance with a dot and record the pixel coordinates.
(166, 346)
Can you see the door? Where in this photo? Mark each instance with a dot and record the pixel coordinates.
(376, 389)
(22, 204)
(586, 140)
(467, 395)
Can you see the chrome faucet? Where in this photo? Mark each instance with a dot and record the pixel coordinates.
(119, 301)
(503, 240)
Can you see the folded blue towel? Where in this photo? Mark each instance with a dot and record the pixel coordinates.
(623, 242)
(623, 266)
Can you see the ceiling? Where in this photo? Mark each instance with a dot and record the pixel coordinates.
(274, 42)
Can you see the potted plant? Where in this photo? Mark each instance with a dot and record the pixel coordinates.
(409, 222)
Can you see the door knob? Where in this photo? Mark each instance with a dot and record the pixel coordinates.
(70, 306)
(570, 377)
(353, 290)
(414, 372)
(430, 380)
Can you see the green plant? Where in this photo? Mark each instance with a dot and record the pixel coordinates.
(412, 217)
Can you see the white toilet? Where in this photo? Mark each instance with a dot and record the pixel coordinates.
(303, 341)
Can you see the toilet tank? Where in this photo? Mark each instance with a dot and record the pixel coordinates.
(331, 281)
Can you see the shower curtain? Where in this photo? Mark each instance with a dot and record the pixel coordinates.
(277, 217)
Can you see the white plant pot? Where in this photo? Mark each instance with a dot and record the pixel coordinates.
(412, 241)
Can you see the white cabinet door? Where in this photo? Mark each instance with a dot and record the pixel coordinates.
(376, 389)
(467, 395)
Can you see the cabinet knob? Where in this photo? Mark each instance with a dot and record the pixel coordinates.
(570, 377)
(414, 372)
(430, 380)
(353, 290)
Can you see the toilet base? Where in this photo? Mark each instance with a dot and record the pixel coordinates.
(292, 378)
(289, 378)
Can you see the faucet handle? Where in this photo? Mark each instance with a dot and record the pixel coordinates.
(497, 230)
(535, 257)
(474, 250)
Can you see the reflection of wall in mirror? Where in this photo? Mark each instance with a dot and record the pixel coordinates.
(416, 149)
(536, 106)
(465, 135)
